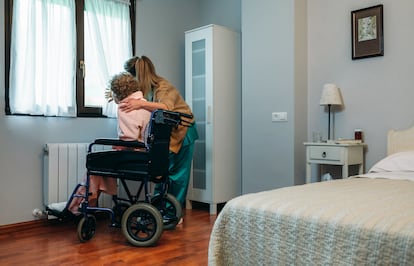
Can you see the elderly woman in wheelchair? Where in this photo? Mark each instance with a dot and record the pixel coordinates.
(140, 154)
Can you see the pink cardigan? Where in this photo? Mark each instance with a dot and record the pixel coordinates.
(132, 125)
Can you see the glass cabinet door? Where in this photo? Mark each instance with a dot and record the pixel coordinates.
(198, 102)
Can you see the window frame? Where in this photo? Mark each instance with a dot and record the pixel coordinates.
(82, 110)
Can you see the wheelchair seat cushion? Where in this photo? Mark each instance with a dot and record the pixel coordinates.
(123, 163)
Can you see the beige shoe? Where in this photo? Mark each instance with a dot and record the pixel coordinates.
(180, 221)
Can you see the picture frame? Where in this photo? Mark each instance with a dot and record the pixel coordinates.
(367, 32)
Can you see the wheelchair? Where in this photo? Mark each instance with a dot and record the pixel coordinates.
(142, 221)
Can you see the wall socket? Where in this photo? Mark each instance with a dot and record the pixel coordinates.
(279, 116)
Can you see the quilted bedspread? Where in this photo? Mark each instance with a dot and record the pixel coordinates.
(355, 221)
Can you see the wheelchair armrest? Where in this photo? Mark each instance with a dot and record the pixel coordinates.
(117, 142)
(179, 114)
(172, 118)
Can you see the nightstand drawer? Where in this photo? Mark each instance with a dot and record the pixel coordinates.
(325, 153)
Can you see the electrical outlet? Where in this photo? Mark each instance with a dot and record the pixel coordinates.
(279, 116)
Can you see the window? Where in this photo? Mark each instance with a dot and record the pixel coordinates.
(60, 54)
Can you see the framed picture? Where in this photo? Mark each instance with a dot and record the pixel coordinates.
(367, 32)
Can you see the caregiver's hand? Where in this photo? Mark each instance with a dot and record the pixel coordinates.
(128, 105)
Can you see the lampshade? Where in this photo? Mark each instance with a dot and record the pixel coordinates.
(331, 95)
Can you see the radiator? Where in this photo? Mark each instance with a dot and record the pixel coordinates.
(64, 168)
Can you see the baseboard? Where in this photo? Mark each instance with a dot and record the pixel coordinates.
(8, 228)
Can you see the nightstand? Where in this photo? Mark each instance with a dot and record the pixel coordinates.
(334, 154)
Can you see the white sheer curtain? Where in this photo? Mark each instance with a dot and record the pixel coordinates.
(43, 49)
(107, 47)
(43, 54)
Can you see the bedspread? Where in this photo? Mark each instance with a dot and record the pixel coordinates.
(355, 221)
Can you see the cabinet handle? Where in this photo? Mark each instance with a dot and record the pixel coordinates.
(209, 114)
(323, 154)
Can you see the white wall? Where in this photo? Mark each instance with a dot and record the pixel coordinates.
(160, 35)
(225, 13)
(273, 80)
(378, 92)
(161, 26)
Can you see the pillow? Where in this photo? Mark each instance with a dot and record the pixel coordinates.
(400, 161)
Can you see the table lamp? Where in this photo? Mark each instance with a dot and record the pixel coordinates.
(331, 96)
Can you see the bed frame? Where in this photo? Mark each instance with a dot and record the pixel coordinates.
(402, 140)
(354, 221)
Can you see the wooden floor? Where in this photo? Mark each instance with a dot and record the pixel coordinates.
(56, 243)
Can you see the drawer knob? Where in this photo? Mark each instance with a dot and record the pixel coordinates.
(323, 154)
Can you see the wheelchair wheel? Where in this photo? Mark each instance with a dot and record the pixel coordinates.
(169, 208)
(142, 225)
(86, 228)
(119, 210)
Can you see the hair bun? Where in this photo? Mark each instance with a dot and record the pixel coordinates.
(130, 65)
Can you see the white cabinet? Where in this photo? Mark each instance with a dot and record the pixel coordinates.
(213, 90)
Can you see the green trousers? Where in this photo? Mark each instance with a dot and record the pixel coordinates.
(180, 166)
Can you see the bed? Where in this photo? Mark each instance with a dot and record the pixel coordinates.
(361, 220)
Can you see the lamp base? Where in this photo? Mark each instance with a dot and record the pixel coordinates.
(329, 121)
